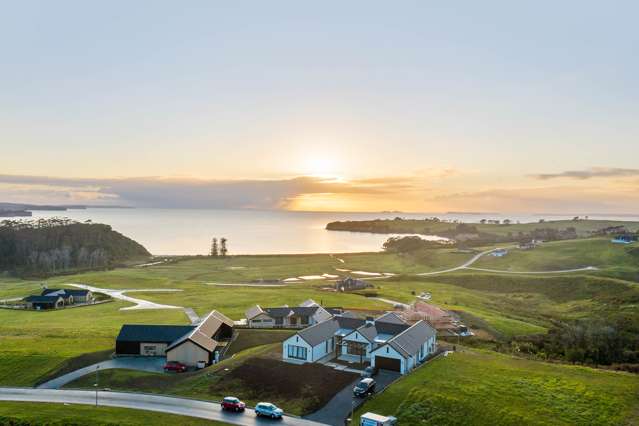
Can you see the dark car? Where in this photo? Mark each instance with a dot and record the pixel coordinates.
(364, 387)
(369, 372)
(231, 403)
(175, 366)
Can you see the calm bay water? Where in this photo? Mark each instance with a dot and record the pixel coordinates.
(189, 232)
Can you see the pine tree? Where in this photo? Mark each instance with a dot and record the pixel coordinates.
(214, 251)
(223, 249)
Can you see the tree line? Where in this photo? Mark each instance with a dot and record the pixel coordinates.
(56, 245)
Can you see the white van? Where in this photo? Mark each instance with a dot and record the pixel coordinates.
(372, 419)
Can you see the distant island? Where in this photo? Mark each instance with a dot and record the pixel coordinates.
(489, 231)
(52, 246)
(25, 210)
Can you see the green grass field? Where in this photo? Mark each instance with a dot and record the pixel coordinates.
(613, 260)
(64, 414)
(485, 388)
(36, 343)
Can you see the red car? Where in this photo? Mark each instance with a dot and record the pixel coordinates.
(231, 403)
(175, 366)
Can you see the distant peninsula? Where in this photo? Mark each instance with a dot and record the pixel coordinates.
(25, 210)
(488, 231)
(45, 247)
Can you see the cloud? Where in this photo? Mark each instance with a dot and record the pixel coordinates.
(594, 172)
(189, 192)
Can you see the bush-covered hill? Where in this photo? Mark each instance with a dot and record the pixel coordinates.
(49, 246)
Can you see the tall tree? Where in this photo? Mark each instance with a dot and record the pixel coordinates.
(214, 251)
(223, 249)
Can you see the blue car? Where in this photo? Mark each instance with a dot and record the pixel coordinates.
(267, 409)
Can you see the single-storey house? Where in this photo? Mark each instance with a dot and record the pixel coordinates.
(44, 302)
(406, 350)
(359, 340)
(625, 239)
(499, 253)
(73, 295)
(351, 284)
(308, 313)
(188, 344)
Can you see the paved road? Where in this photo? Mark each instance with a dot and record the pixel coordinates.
(165, 404)
(152, 364)
(463, 266)
(562, 271)
(193, 317)
(340, 406)
(138, 303)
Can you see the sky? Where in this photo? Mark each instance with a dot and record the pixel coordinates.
(351, 106)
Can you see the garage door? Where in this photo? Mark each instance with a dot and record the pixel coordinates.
(388, 363)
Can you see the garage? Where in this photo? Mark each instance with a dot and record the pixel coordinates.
(385, 363)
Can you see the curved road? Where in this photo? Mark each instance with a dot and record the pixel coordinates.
(164, 404)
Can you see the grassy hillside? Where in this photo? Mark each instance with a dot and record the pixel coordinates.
(40, 414)
(520, 304)
(484, 388)
(617, 260)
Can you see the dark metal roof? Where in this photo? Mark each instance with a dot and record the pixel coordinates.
(281, 312)
(69, 292)
(152, 333)
(41, 299)
(408, 342)
(370, 331)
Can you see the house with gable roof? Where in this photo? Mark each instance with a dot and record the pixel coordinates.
(387, 342)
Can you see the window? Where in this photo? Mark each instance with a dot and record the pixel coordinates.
(279, 321)
(257, 321)
(296, 352)
(304, 320)
(356, 348)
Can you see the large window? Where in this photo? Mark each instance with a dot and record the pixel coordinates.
(296, 352)
(356, 348)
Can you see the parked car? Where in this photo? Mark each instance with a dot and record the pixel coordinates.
(175, 366)
(231, 403)
(267, 409)
(364, 387)
(369, 372)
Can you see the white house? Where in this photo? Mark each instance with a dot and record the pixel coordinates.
(407, 349)
(307, 314)
(386, 342)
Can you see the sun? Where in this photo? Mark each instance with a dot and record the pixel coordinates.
(321, 166)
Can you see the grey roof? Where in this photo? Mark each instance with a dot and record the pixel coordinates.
(316, 334)
(408, 342)
(370, 331)
(349, 322)
(152, 333)
(390, 317)
(41, 299)
(295, 310)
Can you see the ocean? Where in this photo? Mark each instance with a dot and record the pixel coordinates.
(189, 231)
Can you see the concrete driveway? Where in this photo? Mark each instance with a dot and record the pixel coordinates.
(151, 364)
(340, 406)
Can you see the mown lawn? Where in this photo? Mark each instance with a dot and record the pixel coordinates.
(34, 344)
(28, 413)
(477, 387)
